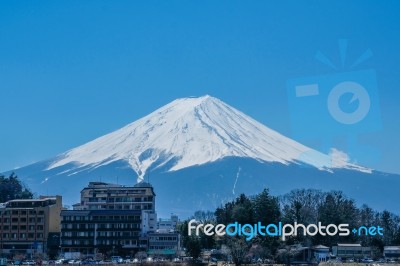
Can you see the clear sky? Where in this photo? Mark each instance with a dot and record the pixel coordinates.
(71, 71)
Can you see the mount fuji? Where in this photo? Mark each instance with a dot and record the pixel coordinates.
(200, 152)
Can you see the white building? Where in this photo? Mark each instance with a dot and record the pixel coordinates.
(106, 196)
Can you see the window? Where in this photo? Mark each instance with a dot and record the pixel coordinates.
(67, 234)
(66, 242)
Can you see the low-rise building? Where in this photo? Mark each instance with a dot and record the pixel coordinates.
(320, 253)
(168, 225)
(391, 252)
(351, 251)
(26, 224)
(164, 243)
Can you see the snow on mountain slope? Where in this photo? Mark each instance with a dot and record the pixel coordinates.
(195, 131)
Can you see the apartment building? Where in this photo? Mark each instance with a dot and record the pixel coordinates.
(110, 219)
(89, 232)
(26, 224)
(106, 196)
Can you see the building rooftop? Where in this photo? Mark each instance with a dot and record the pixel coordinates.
(143, 184)
(102, 184)
(31, 200)
(392, 248)
(349, 245)
(320, 247)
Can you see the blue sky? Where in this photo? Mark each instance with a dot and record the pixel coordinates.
(71, 71)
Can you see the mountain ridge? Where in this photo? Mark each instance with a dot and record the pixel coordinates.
(194, 131)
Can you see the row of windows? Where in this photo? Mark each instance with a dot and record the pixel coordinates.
(117, 218)
(77, 242)
(101, 218)
(78, 234)
(98, 242)
(21, 235)
(102, 206)
(100, 234)
(117, 234)
(392, 251)
(116, 207)
(78, 226)
(22, 212)
(31, 204)
(22, 220)
(163, 238)
(21, 227)
(121, 199)
(117, 191)
(161, 247)
(102, 226)
(353, 252)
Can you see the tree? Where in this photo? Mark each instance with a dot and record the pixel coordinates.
(204, 217)
(266, 209)
(191, 243)
(12, 188)
(242, 212)
(287, 253)
(238, 249)
(193, 246)
(337, 209)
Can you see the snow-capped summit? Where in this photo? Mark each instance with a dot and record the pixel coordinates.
(194, 131)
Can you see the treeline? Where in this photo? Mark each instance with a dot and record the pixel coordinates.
(12, 188)
(305, 206)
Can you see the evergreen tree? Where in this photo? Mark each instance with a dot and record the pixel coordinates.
(12, 188)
